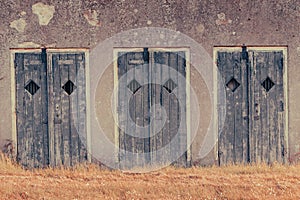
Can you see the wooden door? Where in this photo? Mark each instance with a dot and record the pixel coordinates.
(267, 138)
(67, 109)
(31, 109)
(254, 125)
(51, 109)
(150, 93)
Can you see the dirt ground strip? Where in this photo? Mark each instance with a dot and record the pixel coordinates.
(235, 182)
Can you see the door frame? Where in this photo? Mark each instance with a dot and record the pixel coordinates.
(216, 49)
(14, 133)
(187, 90)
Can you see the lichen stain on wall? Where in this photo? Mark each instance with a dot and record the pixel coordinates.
(19, 25)
(44, 12)
(29, 45)
(222, 19)
(91, 17)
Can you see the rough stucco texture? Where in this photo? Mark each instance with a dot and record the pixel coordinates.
(76, 23)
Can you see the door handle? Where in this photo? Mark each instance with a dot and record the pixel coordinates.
(57, 117)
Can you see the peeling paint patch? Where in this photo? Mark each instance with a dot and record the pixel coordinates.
(222, 19)
(44, 12)
(92, 17)
(29, 45)
(200, 28)
(19, 25)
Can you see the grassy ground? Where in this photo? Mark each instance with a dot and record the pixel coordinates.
(91, 182)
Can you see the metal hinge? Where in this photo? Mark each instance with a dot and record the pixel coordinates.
(244, 52)
(146, 55)
(44, 55)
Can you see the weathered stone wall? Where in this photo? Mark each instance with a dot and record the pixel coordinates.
(76, 23)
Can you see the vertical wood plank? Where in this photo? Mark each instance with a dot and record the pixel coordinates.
(252, 129)
(37, 114)
(256, 109)
(51, 109)
(163, 137)
(146, 113)
(220, 66)
(131, 117)
(279, 103)
(155, 159)
(20, 92)
(28, 104)
(129, 140)
(262, 106)
(228, 127)
(174, 111)
(272, 109)
(121, 117)
(281, 156)
(245, 131)
(57, 134)
(45, 123)
(227, 135)
(81, 122)
(181, 108)
(237, 106)
(65, 111)
(121, 112)
(139, 115)
(132, 136)
(74, 112)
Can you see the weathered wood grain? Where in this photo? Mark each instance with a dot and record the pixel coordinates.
(254, 132)
(81, 124)
(174, 111)
(20, 111)
(44, 103)
(181, 109)
(141, 109)
(245, 131)
(238, 112)
(226, 138)
(146, 95)
(46, 131)
(122, 60)
(57, 134)
(139, 115)
(31, 115)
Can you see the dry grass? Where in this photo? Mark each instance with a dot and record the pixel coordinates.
(91, 182)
